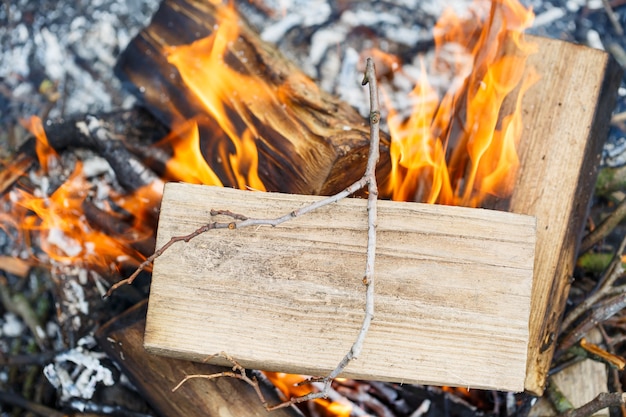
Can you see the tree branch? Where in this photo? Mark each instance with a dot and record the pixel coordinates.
(603, 400)
(239, 221)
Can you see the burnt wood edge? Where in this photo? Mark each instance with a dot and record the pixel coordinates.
(106, 141)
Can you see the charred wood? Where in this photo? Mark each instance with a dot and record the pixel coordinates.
(120, 224)
(102, 135)
(321, 150)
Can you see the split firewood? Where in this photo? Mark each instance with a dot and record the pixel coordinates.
(554, 121)
(312, 143)
(155, 376)
(298, 305)
(559, 155)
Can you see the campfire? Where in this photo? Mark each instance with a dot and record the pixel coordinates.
(483, 125)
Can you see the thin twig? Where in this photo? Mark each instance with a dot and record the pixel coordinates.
(604, 287)
(369, 179)
(599, 314)
(16, 400)
(605, 227)
(159, 252)
(238, 372)
(613, 18)
(603, 400)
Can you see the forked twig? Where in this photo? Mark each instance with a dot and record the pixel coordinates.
(368, 178)
(238, 372)
(239, 221)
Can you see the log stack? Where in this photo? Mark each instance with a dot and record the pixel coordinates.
(566, 117)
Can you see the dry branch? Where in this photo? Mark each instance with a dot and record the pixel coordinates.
(445, 277)
(603, 400)
(155, 376)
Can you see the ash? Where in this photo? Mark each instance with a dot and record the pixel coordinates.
(328, 39)
(57, 58)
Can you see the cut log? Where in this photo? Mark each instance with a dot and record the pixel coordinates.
(452, 288)
(154, 376)
(566, 117)
(312, 143)
(566, 120)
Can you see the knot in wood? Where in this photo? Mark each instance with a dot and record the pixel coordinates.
(232, 225)
(374, 117)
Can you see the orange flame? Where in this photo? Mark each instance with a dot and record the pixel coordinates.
(47, 156)
(58, 218)
(483, 160)
(187, 163)
(292, 386)
(226, 95)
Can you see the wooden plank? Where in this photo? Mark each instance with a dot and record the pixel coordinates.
(309, 141)
(565, 116)
(155, 376)
(566, 120)
(452, 291)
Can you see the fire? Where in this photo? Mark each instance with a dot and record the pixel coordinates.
(58, 217)
(458, 147)
(226, 96)
(292, 386)
(46, 155)
(187, 163)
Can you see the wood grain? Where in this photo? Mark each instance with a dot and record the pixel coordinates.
(566, 120)
(452, 288)
(309, 143)
(155, 376)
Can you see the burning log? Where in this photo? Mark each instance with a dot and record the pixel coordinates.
(154, 376)
(300, 303)
(99, 133)
(566, 115)
(312, 143)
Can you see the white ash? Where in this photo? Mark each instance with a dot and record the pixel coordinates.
(595, 4)
(77, 373)
(594, 40)
(614, 152)
(74, 305)
(95, 166)
(74, 45)
(548, 17)
(70, 246)
(12, 326)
